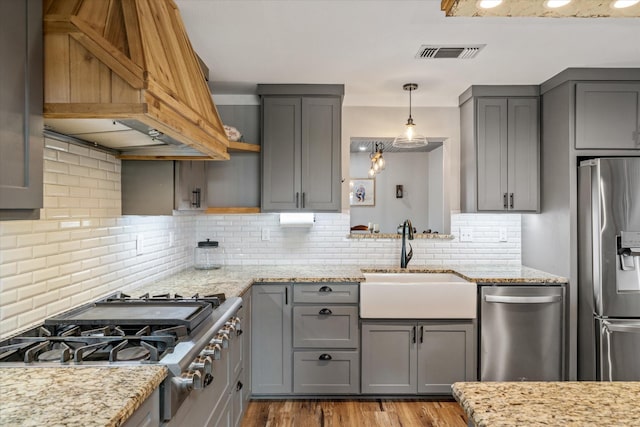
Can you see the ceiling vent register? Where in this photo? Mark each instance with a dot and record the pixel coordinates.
(448, 52)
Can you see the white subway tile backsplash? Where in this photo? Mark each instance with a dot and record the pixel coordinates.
(83, 249)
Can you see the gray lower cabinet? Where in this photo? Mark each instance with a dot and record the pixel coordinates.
(445, 355)
(305, 339)
(301, 148)
(416, 357)
(608, 115)
(21, 123)
(500, 146)
(271, 369)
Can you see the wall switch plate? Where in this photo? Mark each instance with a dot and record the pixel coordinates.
(502, 234)
(266, 234)
(466, 234)
(139, 244)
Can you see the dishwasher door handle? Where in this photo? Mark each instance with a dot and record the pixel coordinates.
(548, 299)
(631, 327)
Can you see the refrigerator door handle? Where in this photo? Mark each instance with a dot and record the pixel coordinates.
(628, 327)
(523, 300)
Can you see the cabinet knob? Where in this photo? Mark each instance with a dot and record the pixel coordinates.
(325, 311)
(325, 356)
(325, 289)
(239, 386)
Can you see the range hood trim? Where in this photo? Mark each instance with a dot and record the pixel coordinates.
(160, 107)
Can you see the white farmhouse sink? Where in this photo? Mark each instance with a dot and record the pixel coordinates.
(417, 296)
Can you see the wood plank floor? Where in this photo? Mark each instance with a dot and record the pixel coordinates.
(344, 413)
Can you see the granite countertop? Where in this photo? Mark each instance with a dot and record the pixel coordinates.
(107, 396)
(236, 280)
(601, 404)
(75, 396)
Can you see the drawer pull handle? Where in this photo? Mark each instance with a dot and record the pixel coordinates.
(325, 289)
(325, 311)
(325, 356)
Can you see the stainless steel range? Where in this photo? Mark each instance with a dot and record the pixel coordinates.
(185, 334)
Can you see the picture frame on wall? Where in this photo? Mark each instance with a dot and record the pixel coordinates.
(362, 192)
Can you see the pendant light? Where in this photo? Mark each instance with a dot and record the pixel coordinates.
(410, 139)
(377, 161)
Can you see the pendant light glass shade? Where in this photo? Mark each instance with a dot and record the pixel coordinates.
(409, 138)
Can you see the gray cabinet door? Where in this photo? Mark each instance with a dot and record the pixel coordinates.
(325, 326)
(326, 372)
(492, 153)
(190, 185)
(21, 95)
(271, 363)
(445, 355)
(320, 154)
(147, 187)
(608, 115)
(281, 158)
(389, 358)
(508, 154)
(523, 154)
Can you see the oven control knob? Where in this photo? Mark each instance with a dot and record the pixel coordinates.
(235, 325)
(203, 364)
(227, 330)
(212, 350)
(221, 338)
(191, 380)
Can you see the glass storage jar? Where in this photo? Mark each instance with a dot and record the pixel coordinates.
(208, 255)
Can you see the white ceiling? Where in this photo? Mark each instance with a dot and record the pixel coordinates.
(370, 47)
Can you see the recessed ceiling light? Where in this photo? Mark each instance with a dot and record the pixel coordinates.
(621, 4)
(362, 147)
(489, 4)
(554, 4)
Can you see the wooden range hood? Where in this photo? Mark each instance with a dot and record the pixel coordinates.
(116, 65)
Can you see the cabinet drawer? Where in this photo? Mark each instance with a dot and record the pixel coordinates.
(326, 372)
(326, 293)
(325, 326)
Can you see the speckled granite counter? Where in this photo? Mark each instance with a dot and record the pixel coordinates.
(235, 280)
(74, 396)
(495, 404)
(502, 274)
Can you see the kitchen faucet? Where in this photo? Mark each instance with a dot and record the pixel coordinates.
(404, 256)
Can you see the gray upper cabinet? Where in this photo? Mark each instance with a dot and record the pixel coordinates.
(608, 115)
(21, 124)
(500, 150)
(271, 362)
(190, 185)
(159, 187)
(301, 147)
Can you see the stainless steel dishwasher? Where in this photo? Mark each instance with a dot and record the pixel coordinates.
(521, 333)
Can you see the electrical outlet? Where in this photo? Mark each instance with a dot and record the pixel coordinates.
(466, 234)
(266, 234)
(171, 239)
(502, 231)
(139, 244)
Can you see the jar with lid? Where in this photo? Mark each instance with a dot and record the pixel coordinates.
(208, 255)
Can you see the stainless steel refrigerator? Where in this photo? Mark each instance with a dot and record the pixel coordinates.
(609, 269)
